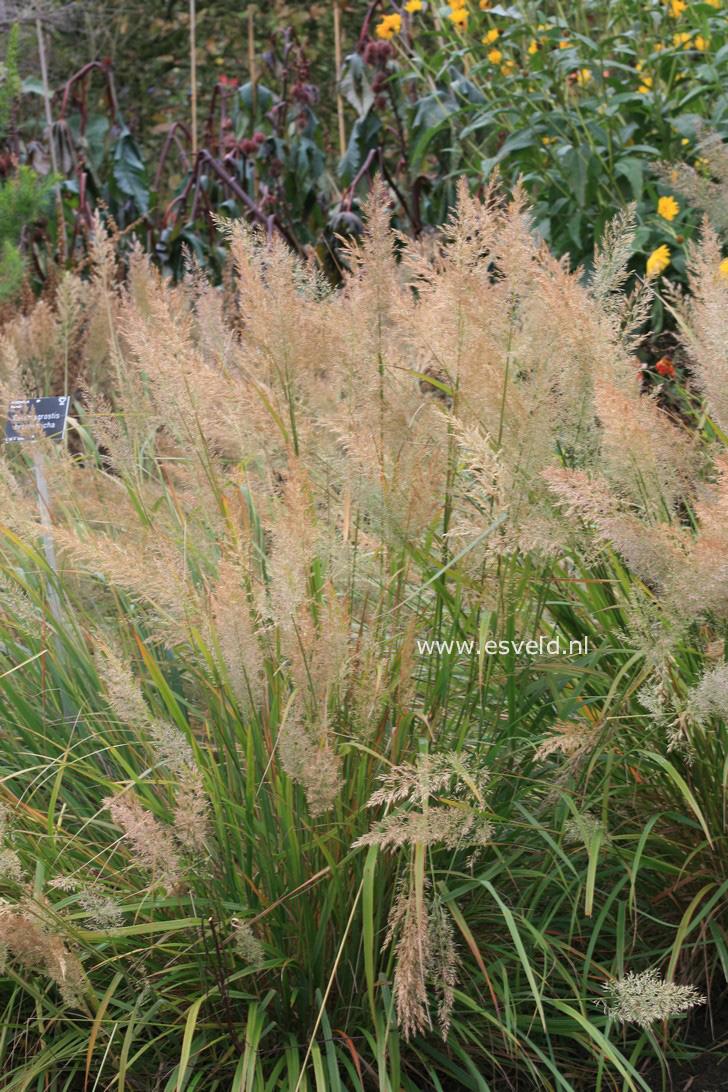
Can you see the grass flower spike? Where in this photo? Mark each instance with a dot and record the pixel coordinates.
(644, 998)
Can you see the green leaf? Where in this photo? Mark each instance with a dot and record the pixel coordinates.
(128, 171)
(632, 170)
(355, 85)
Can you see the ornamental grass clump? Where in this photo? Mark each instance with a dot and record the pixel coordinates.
(273, 812)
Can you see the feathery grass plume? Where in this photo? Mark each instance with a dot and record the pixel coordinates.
(710, 697)
(309, 760)
(536, 344)
(122, 690)
(642, 998)
(654, 629)
(584, 829)
(570, 738)
(704, 323)
(10, 381)
(34, 337)
(214, 338)
(247, 946)
(114, 434)
(390, 437)
(151, 846)
(195, 399)
(653, 551)
(18, 505)
(405, 668)
(317, 650)
(237, 635)
(17, 611)
(152, 570)
(11, 868)
(700, 584)
(71, 299)
(645, 458)
(456, 822)
(102, 910)
(123, 693)
(409, 917)
(29, 934)
(610, 271)
(425, 954)
(191, 811)
(294, 538)
(444, 962)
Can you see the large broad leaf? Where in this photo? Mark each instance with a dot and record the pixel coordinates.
(431, 110)
(575, 167)
(129, 172)
(310, 162)
(355, 85)
(33, 86)
(524, 138)
(264, 97)
(631, 169)
(362, 139)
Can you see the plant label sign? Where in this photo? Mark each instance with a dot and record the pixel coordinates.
(27, 415)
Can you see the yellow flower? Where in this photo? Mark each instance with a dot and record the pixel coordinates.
(684, 141)
(495, 56)
(564, 43)
(413, 6)
(713, 3)
(583, 77)
(723, 269)
(682, 39)
(702, 43)
(646, 86)
(485, 5)
(490, 37)
(459, 17)
(389, 26)
(702, 163)
(533, 48)
(507, 67)
(547, 139)
(658, 261)
(676, 7)
(667, 208)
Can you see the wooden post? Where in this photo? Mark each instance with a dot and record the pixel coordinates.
(54, 160)
(253, 83)
(251, 58)
(339, 98)
(193, 77)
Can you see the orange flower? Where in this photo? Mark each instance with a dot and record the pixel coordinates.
(665, 367)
